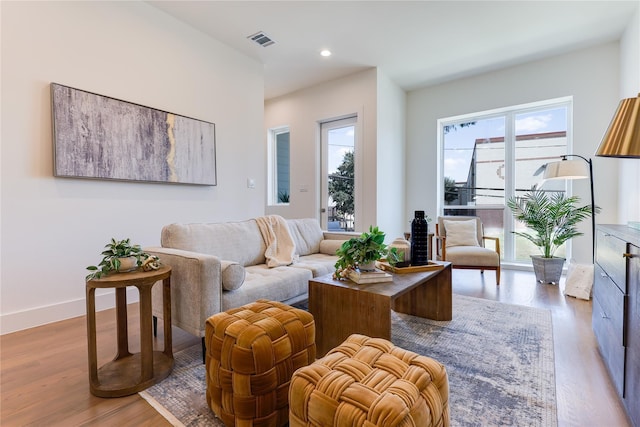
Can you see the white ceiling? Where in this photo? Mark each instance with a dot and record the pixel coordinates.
(415, 43)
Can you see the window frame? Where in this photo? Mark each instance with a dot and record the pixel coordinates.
(273, 198)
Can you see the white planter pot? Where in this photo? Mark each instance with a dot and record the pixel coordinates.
(127, 264)
(370, 266)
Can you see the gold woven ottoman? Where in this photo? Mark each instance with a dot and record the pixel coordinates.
(370, 382)
(251, 354)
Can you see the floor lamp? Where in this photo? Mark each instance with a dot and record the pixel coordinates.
(575, 169)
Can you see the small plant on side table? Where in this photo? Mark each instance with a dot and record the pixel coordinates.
(116, 252)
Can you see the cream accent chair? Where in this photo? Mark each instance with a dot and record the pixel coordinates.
(463, 244)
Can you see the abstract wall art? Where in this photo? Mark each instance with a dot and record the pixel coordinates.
(100, 137)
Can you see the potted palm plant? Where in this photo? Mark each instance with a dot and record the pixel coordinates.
(362, 252)
(552, 219)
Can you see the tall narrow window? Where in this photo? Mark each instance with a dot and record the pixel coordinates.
(489, 157)
(279, 166)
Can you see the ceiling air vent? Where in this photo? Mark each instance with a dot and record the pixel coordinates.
(261, 38)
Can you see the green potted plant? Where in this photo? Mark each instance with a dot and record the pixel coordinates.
(553, 219)
(363, 251)
(121, 256)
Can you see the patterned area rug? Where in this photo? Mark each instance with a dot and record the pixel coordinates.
(499, 358)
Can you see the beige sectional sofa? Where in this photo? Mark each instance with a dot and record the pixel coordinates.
(218, 266)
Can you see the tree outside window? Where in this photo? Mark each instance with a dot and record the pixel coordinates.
(341, 187)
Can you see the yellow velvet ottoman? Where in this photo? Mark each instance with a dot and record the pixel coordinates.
(370, 382)
(251, 354)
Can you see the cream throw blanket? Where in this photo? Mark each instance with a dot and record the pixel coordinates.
(280, 247)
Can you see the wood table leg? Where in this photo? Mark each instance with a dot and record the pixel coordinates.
(91, 337)
(122, 331)
(146, 336)
(340, 312)
(432, 299)
(166, 302)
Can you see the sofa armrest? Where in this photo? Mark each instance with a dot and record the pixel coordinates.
(339, 235)
(332, 240)
(196, 288)
(441, 248)
(496, 241)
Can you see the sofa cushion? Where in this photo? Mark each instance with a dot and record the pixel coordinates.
(306, 234)
(234, 241)
(232, 275)
(461, 233)
(276, 284)
(318, 264)
(473, 256)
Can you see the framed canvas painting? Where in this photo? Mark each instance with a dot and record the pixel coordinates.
(100, 137)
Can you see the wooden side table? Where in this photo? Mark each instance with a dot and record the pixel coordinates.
(130, 373)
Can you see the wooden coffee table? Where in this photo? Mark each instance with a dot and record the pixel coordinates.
(341, 308)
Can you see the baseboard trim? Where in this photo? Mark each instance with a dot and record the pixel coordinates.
(25, 319)
(526, 267)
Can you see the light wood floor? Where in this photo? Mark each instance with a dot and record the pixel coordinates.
(43, 371)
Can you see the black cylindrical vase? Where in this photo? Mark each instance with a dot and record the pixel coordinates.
(419, 239)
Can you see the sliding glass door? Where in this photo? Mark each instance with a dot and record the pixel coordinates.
(489, 157)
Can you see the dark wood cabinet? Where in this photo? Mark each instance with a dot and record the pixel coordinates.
(632, 371)
(616, 310)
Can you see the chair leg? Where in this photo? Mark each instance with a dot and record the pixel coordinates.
(155, 326)
(204, 351)
(498, 276)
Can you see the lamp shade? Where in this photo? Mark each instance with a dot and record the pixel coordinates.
(622, 138)
(566, 169)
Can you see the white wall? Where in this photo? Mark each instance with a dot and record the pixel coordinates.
(391, 153)
(381, 107)
(302, 111)
(629, 182)
(591, 76)
(52, 228)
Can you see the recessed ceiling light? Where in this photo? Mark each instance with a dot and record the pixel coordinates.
(325, 52)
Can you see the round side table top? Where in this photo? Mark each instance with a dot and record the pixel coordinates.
(131, 278)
